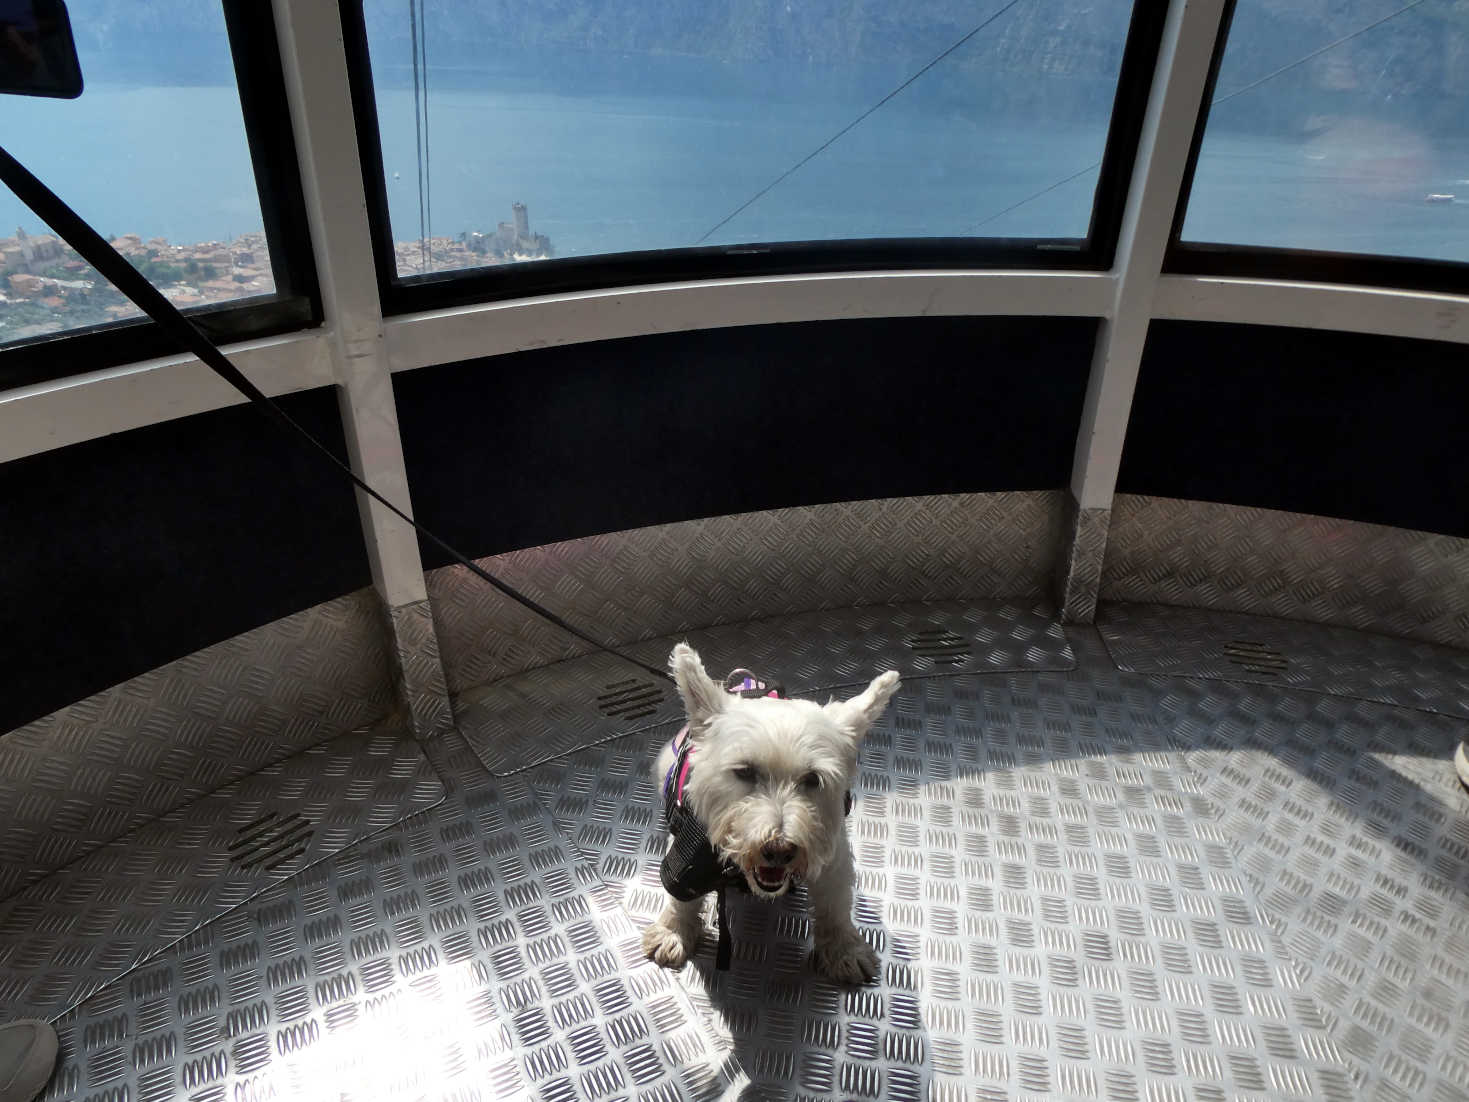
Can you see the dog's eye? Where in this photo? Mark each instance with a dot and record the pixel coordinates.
(747, 773)
(811, 780)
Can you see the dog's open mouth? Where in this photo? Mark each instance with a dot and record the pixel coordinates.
(772, 878)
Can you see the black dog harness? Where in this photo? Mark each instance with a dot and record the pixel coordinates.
(692, 867)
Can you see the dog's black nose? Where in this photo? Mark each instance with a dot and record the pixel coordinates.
(778, 853)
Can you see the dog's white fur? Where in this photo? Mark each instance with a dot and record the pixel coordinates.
(770, 777)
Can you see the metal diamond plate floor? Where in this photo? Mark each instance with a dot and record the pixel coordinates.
(1353, 831)
(651, 582)
(92, 771)
(80, 928)
(1082, 882)
(462, 954)
(530, 718)
(1188, 642)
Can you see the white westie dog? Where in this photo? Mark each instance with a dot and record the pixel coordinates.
(769, 780)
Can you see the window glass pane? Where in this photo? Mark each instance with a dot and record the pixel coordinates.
(1340, 125)
(153, 155)
(512, 132)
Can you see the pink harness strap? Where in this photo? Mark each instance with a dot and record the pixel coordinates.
(682, 762)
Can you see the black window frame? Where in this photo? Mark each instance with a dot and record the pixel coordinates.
(296, 303)
(1224, 260)
(411, 294)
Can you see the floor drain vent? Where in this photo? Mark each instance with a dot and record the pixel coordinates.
(630, 699)
(941, 645)
(270, 841)
(1256, 657)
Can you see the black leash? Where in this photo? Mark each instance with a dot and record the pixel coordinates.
(724, 949)
(109, 263)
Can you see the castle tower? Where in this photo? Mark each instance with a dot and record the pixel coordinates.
(522, 221)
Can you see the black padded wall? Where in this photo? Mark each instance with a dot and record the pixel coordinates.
(1359, 427)
(525, 449)
(127, 552)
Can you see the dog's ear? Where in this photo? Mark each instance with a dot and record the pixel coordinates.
(703, 697)
(856, 716)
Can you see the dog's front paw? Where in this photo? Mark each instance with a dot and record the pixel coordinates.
(845, 958)
(666, 946)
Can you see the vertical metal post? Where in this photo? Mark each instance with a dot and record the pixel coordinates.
(314, 59)
(1173, 109)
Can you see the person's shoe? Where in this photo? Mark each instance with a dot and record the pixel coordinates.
(27, 1058)
(1461, 763)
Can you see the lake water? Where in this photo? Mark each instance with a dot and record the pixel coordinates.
(647, 172)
